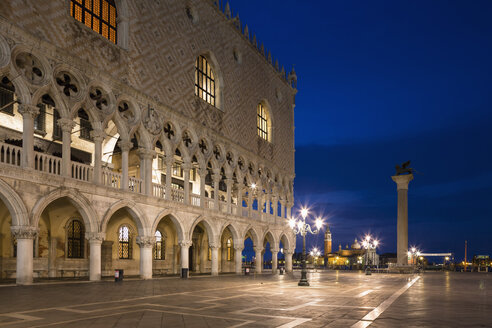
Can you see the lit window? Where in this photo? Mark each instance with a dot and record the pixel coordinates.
(124, 243)
(204, 80)
(75, 240)
(98, 15)
(262, 122)
(160, 247)
(210, 254)
(229, 249)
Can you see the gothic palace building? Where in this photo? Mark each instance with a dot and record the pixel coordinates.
(150, 136)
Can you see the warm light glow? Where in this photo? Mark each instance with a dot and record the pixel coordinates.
(292, 223)
(319, 223)
(414, 249)
(446, 258)
(376, 243)
(418, 253)
(368, 237)
(253, 186)
(304, 212)
(299, 225)
(409, 253)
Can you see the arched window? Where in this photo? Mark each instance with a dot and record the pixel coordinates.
(98, 15)
(75, 240)
(85, 125)
(160, 246)
(124, 243)
(229, 249)
(263, 122)
(204, 80)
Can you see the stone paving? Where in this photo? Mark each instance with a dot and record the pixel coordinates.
(335, 299)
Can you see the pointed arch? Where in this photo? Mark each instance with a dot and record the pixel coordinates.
(14, 204)
(79, 201)
(251, 231)
(234, 231)
(269, 237)
(212, 235)
(180, 229)
(137, 215)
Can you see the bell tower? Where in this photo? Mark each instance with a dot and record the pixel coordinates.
(327, 241)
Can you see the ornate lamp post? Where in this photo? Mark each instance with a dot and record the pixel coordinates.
(413, 254)
(302, 228)
(369, 245)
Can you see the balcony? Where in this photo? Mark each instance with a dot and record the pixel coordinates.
(12, 156)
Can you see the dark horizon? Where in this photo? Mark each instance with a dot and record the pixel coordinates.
(381, 83)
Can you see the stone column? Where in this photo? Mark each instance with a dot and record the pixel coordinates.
(95, 240)
(186, 171)
(215, 259)
(250, 203)
(203, 173)
(66, 125)
(274, 259)
(288, 260)
(216, 177)
(239, 199)
(146, 243)
(169, 176)
(125, 147)
(29, 113)
(98, 137)
(53, 241)
(229, 182)
(267, 203)
(258, 259)
(185, 248)
(146, 156)
(238, 257)
(402, 182)
(289, 209)
(24, 236)
(275, 205)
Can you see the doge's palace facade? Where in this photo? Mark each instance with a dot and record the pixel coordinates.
(153, 136)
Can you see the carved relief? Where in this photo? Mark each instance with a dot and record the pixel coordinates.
(30, 68)
(151, 121)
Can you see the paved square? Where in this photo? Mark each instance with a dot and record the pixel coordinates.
(335, 299)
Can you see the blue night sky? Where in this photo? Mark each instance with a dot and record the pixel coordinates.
(382, 82)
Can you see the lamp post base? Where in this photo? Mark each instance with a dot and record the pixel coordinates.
(303, 282)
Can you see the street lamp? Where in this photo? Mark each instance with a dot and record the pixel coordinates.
(302, 228)
(413, 253)
(369, 244)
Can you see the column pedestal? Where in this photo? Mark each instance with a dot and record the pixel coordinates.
(95, 242)
(145, 243)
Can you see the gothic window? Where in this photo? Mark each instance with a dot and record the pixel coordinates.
(85, 125)
(40, 120)
(263, 124)
(57, 131)
(98, 15)
(75, 240)
(7, 96)
(124, 243)
(229, 249)
(204, 80)
(160, 246)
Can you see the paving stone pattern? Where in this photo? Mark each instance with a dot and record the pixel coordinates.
(335, 299)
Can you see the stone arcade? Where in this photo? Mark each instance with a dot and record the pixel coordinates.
(151, 136)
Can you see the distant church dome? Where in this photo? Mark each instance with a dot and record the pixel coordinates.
(355, 245)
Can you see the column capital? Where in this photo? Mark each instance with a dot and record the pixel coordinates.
(239, 248)
(216, 177)
(229, 181)
(274, 250)
(187, 165)
(203, 171)
(185, 243)
(214, 245)
(66, 124)
(98, 135)
(258, 249)
(95, 237)
(27, 110)
(125, 145)
(145, 241)
(144, 153)
(288, 251)
(24, 232)
(402, 181)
